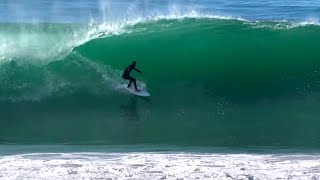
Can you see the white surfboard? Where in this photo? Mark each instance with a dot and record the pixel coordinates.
(141, 92)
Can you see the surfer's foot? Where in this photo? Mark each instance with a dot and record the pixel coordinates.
(138, 90)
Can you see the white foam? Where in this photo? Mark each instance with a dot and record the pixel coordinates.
(283, 24)
(310, 21)
(159, 166)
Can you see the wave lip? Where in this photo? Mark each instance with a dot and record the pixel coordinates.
(193, 14)
(310, 21)
(283, 24)
(45, 42)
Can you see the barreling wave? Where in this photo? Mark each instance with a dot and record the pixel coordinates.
(223, 44)
(215, 69)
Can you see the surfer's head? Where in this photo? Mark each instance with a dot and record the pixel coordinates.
(134, 63)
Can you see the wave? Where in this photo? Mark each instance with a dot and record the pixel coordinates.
(224, 45)
(215, 80)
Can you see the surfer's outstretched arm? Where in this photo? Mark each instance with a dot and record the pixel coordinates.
(137, 70)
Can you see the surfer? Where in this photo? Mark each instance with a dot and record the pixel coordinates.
(126, 74)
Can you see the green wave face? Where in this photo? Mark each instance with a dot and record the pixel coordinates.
(213, 82)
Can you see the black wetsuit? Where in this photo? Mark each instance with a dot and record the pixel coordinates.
(126, 75)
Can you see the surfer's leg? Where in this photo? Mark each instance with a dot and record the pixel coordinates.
(129, 84)
(127, 78)
(132, 80)
(135, 84)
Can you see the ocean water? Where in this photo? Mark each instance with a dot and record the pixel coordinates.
(235, 89)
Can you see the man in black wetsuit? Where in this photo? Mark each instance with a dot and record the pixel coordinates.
(126, 74)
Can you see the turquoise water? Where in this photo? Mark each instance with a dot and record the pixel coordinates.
(214, 82)
(233, 84)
